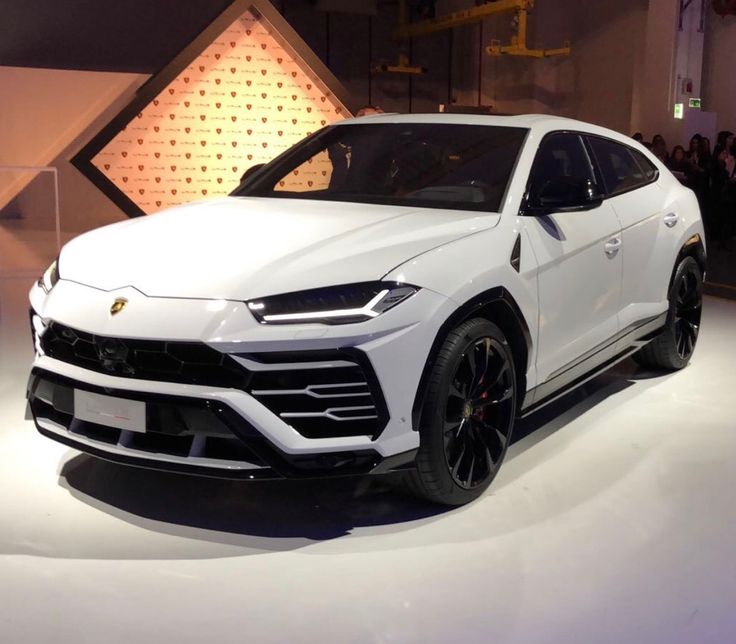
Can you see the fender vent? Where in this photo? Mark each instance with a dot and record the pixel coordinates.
(516, 254)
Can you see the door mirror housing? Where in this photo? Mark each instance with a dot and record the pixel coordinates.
(566, 194)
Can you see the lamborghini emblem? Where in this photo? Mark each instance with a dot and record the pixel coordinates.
(118, 305)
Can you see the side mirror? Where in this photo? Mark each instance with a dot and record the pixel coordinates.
(252, 170)
(567, 194)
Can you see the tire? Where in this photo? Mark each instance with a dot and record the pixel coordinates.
(467, 416)
(673, 348)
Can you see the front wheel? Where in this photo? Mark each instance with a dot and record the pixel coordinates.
(674, 347)
(467, 416)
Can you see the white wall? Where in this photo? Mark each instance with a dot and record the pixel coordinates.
(652, 111)
(719, 80)
(46, 115)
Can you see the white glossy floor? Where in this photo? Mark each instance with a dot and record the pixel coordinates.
(613, 520)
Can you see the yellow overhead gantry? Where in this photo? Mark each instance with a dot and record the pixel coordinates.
(408, 30)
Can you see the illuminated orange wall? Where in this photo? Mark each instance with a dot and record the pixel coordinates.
(245, 99)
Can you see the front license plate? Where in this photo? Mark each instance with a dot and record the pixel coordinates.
(109, 411)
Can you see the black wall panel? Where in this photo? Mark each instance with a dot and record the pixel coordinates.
(103, 35)
(144, 35)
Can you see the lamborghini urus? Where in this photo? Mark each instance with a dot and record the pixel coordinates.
(388, 295)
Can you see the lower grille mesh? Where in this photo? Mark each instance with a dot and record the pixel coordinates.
(187, 428)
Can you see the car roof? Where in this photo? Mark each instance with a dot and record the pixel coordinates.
(539, 123)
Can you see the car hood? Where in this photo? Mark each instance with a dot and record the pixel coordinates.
(244, 247)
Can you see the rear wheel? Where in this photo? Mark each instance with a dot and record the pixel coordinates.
(467, 417)
(674, 347)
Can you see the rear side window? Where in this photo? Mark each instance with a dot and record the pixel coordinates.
(619, 168)
(649, 169)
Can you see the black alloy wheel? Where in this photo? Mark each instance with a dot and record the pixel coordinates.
(478, 404)
(688, 308)
(674, 347)
(467, 417)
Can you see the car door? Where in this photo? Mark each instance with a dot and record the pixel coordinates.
(639, 202)
(579, 262)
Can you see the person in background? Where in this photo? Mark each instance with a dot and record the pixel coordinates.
(705, 159)
(698, 170)
(723, 195)
(706, 162)
(705, 147)
(659, 148)
(721, 153)
(679, 165)
(638, 137)
(677, 161)
(728, 219)
(341, 155)
(369, 110)
(693, 152)
(699, 181)
(724, 141)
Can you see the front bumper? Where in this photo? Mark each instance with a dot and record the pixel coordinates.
(189, 435)
(240, 430)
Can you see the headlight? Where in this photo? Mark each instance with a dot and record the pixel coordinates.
(331, 305)
(48, 280)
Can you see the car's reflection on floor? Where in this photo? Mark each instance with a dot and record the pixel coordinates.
(312, 509)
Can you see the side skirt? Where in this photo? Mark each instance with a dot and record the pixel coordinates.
(592, 363)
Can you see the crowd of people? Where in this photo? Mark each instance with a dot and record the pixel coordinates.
(710, 172)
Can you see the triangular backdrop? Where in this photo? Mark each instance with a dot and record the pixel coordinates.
(243, 92)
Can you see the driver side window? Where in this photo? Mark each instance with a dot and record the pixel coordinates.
(561, 159)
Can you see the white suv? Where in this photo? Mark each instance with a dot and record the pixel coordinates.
(389, 294)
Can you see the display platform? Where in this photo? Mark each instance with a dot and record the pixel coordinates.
(612, 521)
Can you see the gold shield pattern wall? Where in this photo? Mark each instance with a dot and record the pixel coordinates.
(244, 99)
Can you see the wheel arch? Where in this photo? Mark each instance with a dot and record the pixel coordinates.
(498, 306)
(692, 247)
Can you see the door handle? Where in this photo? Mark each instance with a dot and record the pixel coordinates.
(670, 219)
(612, 246)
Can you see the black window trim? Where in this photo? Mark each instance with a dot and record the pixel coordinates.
(616, 193)
(256, 179)
(592, 159)
(588, 154)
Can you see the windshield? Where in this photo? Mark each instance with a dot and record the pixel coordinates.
(431, 165)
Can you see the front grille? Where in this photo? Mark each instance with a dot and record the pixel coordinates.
(321, 394)
(330, 394)
(183, 362)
